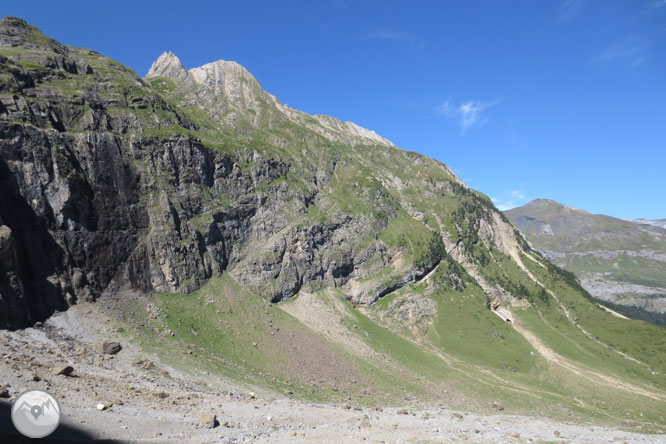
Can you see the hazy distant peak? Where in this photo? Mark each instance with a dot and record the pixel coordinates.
(543, 203)
(548, 204)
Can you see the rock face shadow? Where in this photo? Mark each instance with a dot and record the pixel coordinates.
(65, 433)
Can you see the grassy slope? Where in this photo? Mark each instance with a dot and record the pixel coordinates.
(469, 357)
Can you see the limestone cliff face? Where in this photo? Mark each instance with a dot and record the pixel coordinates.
(109, 182)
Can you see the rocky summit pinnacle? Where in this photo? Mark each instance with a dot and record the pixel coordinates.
(168, 65)
(229, 91)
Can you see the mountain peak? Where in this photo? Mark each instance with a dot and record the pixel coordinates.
(228, 78)
(233, 82)
(552, 205)
(544, 203)
(169, 65)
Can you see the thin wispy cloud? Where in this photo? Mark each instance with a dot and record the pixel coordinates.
(517, 194)
(398, 36)
(339, 4)
(466, 114)
(569, 10)
(632, 52)
(503, 205)
(657, 4)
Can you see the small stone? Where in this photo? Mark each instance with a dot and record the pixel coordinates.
(35, 377)
(251, 395)
(458, 415)
(108, 347)
(101, 406)
(498, 406)
(403, 412)
(65, 370)
(4, 391)
(379, 409)
(208, 420)
(162, 395)
(556, 433)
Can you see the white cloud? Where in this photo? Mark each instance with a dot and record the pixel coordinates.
(467, 113)
(506, 206)
(568, 10)
(515, 199)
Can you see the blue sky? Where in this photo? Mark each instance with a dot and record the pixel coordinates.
(562, 99)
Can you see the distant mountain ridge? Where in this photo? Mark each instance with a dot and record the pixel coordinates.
(622, 262)
(661, 223)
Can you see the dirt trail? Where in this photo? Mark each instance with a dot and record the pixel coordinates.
(613, 312)
(577, 325)
(591, 375)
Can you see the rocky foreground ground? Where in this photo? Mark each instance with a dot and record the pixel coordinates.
(129, 396)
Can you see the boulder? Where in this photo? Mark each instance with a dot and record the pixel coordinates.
(65, 370)
(4, 391)
(208, 420)
(108, 347)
